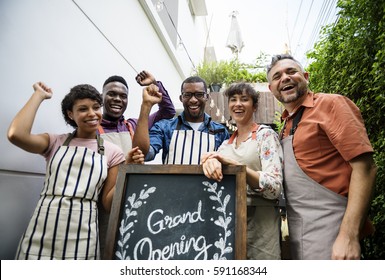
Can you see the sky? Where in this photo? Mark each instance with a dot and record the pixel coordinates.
(269, 26)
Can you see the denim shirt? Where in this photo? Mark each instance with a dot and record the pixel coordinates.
(161, 134)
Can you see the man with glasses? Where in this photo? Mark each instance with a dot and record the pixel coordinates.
(185, 138)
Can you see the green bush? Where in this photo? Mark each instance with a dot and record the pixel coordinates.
(228, 72)
(213, 72)
(350, 59)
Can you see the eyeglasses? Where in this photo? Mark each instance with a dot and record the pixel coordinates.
(197, 95)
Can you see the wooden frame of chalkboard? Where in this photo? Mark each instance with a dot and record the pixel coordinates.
(176, 212)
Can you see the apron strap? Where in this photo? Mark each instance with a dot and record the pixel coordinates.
(100, 129)
(179, 124)
(126, 123)
(296, 120)
(130, 129)
(69, 138)
(253, 131)
(211, 130)
(214, 131)
(99, 141)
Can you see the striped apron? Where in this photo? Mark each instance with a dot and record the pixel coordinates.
(314, 213)
(187, 146)
(64, 224)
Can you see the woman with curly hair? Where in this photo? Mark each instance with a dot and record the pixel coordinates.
(80, 166)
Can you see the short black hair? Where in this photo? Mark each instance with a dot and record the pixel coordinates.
(116, 78)
(82, 91)
(193, 80)
(239, 88)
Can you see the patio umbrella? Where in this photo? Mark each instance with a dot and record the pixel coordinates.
(234, 39)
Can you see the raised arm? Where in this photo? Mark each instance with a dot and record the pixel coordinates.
(19, 132)
(166, 108)
(141, 138)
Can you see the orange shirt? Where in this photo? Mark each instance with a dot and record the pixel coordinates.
(331, 132)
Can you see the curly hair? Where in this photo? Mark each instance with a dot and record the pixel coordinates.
(242, 87)
(78, 92)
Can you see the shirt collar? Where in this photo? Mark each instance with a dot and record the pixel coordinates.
(206, 119)
(308, 103)
(112, 124)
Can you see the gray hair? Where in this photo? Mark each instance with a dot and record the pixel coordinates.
(279, 57)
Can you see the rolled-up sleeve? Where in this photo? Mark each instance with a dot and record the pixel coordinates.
(160, 136)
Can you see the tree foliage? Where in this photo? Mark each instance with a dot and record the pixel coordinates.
(350, 59)
(232, 71)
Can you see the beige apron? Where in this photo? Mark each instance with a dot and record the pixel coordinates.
(263, 240)
(122, 139)
(314, 212)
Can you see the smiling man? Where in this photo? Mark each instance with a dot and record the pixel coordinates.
(120, 131)
(185, 138)
(329, 170)
(114, 126)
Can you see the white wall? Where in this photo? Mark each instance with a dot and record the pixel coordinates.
(52, 41)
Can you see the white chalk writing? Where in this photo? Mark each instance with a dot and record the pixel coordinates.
(144, 249)
(157, 222)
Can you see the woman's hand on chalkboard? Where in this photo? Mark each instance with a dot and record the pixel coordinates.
(219, 157)
(212, 165)
(212, 168)
(206, 156)
(135, 156)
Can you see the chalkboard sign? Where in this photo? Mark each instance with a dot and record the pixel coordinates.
(169, 212)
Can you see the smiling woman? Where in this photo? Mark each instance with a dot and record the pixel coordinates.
(79, 167)
(257, 147)
(81, 109)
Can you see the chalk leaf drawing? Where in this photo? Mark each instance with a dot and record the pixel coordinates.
(223, 220)
(126, 225)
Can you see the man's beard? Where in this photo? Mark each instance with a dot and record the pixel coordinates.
(194, 116)
(292, 98)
